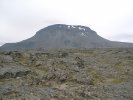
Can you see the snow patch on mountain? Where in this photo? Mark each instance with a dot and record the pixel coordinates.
(80, 28)
(69, 26)
(83, 34)
(73, 26)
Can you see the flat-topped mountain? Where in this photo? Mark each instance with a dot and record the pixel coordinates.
(65, 36)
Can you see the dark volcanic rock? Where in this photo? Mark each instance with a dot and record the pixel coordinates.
(65, 36)
(68, 74)
(9, 71)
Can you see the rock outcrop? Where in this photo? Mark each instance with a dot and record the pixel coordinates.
(73, 74)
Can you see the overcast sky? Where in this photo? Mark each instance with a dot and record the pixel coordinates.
(111, 19)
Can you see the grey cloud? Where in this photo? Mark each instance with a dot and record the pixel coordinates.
(123, 37)
(23, 18)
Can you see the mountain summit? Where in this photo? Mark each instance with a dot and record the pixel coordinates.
(65, 36)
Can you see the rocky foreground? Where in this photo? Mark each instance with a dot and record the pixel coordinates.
(77, 74)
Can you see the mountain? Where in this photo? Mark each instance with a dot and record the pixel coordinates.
(65, 36)
(1, 43)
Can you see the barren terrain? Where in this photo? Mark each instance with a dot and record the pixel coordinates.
(69, 74)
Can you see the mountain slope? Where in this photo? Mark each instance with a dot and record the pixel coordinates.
(65, 36)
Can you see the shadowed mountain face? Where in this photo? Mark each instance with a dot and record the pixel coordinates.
(65, 36)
